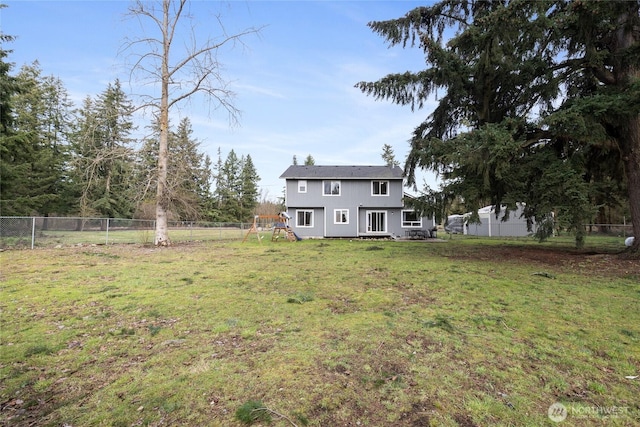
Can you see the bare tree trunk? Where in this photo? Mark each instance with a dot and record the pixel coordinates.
(632, 165)
(162, 233)
(162, 199)
(197, 72)
(627, 38)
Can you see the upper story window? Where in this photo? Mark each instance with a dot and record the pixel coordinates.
(380, 188)
(411, 219)
(302, 186)
(331, 188)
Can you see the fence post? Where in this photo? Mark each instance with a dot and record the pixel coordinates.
(107, 239)
(33, 232)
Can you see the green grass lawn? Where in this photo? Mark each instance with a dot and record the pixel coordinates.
(465, 332)
(143, 236)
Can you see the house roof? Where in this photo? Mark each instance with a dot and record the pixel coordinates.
(342, 172)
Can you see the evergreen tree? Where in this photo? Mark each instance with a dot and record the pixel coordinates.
(248, 189)
(231, 187)
(11, 172)
(388, 156)
(215, 214)
(104, 155)
(309, 161)
(35, 149)
(189, 174)
(181, 186)
(541, 104)
(188, 178)
(236, 193)
(206, 195)
(8, 87)
(145, 175)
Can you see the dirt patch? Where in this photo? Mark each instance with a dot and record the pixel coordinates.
(464, 420)
(572, 260)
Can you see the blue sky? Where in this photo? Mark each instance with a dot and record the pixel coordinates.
(293, 82)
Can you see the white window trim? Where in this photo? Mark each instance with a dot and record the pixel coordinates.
(386, 221)
(380, 195)
(402, 221)
(330, 181)
(335, 212)
(312, 218)
(302, 183)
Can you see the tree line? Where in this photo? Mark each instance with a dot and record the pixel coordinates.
(57, 159)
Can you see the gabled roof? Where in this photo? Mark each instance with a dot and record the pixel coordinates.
(342, 172)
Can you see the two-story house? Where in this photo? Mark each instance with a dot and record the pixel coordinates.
(349, 201)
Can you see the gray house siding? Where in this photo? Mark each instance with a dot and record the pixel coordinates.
(316, 229)
(361, 222)
(352, 193)
(347, 224)
(376, 221)
(392, 222)
(347, 201)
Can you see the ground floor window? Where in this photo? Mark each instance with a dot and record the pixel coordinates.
(341, 216)
(304, 218)
(411, 219)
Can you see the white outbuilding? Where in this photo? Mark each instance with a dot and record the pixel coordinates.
(512, 224)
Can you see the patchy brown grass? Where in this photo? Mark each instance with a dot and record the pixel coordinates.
(591, 262)
(328, 333)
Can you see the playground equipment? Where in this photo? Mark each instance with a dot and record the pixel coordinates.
(279, 224)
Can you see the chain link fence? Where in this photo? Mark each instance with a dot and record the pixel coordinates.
(32, 232)
(619, 230)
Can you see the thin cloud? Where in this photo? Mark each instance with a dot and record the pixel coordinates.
(259, 90)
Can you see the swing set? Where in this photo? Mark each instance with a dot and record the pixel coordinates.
(279, 224)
